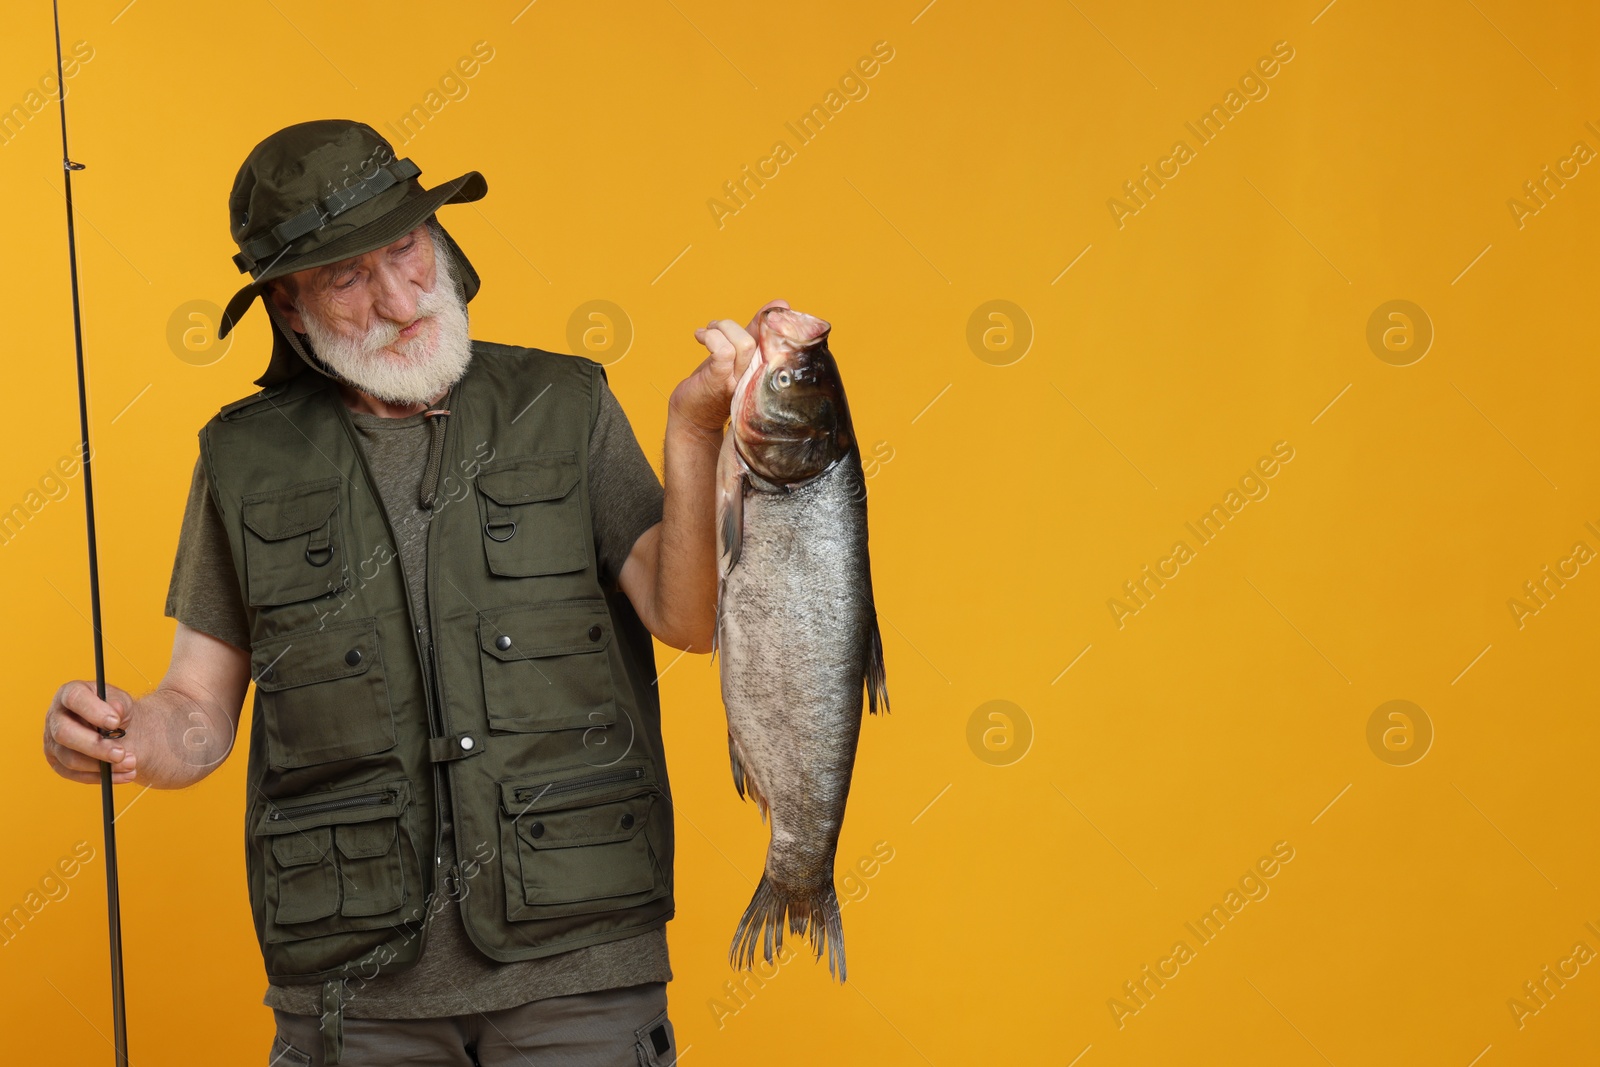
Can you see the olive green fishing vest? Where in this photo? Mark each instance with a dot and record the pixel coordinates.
(543, 714)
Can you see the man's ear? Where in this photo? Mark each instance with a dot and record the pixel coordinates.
(278, 291)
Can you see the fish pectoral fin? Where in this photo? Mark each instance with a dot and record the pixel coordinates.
(730, 503)
(877, 684)
(732, 482)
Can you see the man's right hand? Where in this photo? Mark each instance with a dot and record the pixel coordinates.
(73, 745)
(176, 735)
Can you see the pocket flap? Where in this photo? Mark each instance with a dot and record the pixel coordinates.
(545, 476)
(318, 656)
(297, 849)
(287, 512)
(368, 839)
(597, 824)
(553, 629)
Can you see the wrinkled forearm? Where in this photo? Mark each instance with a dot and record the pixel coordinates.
(686, 566)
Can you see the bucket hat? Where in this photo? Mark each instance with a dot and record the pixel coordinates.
(319, 192)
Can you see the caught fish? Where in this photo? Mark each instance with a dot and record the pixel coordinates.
(796, 625)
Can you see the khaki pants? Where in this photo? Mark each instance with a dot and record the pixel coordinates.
(614, 1028)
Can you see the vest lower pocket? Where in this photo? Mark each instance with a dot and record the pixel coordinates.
(322, 695)
(292, 543)
(336, 861)
(532, 518)
(581, 843)
(547, 667)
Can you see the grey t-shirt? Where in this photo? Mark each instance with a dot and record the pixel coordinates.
(452, 977)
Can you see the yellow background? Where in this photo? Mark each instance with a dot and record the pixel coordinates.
(1229, 314)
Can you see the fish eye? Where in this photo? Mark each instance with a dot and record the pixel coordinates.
(782, 379)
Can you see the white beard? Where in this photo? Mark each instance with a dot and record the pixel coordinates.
(414, 371)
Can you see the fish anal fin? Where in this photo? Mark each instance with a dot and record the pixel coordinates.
(743, 780)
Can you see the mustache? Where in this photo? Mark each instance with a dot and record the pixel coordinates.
(385, 331)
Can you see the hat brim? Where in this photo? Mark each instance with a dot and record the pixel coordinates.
(387, 229)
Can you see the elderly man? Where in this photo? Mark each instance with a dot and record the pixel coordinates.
(440, 560)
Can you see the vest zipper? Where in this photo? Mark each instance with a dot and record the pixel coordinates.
(364, 800)
(430, 692)
(529, 793)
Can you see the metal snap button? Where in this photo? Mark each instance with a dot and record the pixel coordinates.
(595, 632)
(536, 830)
(267, 675)
(353, 656)
(502, 642)
(627, 821)
(466, 744)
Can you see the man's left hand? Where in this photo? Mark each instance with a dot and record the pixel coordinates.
(704, 397)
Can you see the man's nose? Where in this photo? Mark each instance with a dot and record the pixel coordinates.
(394, 298)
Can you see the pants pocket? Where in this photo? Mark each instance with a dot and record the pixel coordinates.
(655, 1044)
(284, 1054)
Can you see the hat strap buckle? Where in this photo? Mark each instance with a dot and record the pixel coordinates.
(270, 245)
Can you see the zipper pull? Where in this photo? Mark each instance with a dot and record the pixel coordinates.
(452, 881)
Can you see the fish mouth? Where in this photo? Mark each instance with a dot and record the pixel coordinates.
(795, 327)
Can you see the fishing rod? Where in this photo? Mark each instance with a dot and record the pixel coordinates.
(108, 812)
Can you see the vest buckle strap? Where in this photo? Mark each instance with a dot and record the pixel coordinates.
(459, 746)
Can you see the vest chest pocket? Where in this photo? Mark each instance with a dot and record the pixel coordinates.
(547, 666)
(336, 861)
(292, 543)
(581, 842)
(322, 695)
(532, 522)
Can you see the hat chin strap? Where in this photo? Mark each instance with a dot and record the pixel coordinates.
(288, 333)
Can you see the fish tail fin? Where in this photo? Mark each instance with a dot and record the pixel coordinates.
(743, 780)
(877, 684)
(815, 917)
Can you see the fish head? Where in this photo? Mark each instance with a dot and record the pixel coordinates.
(790, 418)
